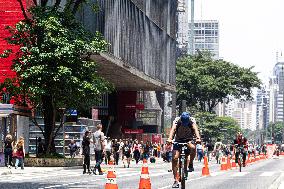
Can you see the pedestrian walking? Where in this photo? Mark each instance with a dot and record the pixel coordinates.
(86, 152)
(8, 150)
(19, 153)
(199, 149)
(126, 154)
(40, 147)
(73, 148)
(115, 149)
(136, 151)
(108, 146)
(98, 139)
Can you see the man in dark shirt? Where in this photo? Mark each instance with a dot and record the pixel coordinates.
(86, 151)
(184, 128)
(115, 148)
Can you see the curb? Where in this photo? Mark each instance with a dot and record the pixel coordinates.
(276, 183)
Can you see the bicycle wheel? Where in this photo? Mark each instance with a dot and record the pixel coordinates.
(240, 162)
(182, 174)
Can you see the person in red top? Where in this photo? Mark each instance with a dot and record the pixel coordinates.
(241, 141)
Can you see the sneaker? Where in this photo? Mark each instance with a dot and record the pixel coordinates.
(190, 168)
(128, 166)
(175, 185)
(84, 172)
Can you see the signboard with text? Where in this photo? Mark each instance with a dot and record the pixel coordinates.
(133, 131)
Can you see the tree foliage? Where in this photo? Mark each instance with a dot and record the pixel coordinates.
(204, 82)
(276, 130)
(53, 67)
(214, 127)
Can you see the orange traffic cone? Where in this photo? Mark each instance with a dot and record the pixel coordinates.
(257, 158)
(234, 162)
(229, 166)
(145, 182)
(111, 180)
(223, 164)
(205, 169)
(248, 159)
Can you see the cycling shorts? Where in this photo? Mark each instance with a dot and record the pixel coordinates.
(176, 147)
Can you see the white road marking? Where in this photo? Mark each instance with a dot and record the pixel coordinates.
(169, 186)
(239, 174)
(267, 174)
(216, 174)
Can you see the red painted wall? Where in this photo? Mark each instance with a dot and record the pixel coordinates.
(10, 14)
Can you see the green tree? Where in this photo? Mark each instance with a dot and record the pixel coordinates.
(214, 127)
(276, 130)
(54, 69)
(204, 82)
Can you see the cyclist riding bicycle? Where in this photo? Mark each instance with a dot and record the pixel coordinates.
(241, 141)
(184, 128)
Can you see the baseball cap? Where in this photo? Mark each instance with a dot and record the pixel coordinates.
(184, 118)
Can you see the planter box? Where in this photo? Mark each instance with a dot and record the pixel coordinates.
(53, 162)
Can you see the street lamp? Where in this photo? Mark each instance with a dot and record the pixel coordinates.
(62, 110)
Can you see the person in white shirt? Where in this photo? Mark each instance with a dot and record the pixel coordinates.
(108, 146)
(99, 147)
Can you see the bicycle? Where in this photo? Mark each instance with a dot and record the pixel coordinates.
(182, 163)
(240, 150)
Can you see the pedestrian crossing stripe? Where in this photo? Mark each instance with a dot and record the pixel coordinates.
(239, 174)
(265, 174)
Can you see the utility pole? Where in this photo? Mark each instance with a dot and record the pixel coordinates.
(192, 29)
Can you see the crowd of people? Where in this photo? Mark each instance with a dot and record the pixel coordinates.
(14, 150)
(116, 150)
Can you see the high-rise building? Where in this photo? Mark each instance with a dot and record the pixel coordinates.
(276, 86)
(262, 108)
(243, 112)
(182, 27)
(262, 114)
(206, 36)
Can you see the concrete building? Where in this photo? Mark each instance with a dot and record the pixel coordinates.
(243, 112)
(141, 56)
(206, 36)
(276, 87)
(262, 113)
(182, 27)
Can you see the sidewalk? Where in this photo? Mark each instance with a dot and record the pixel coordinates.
(27, 170)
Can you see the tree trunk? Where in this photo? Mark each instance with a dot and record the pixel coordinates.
(49, 123)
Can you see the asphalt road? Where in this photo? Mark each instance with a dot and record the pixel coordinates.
(266, 174)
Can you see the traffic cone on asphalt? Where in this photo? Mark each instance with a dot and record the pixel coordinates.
(223, 164)
(229, 166)
(257, 158)
(145, 182)
(205, 169)
(234, 163)
(111, 180)
(248, 159)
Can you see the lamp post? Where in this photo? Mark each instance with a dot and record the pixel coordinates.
(62, 110)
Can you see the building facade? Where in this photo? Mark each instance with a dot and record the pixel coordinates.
(276, 87)
(206, 36)
(182, 27)
(141, 55)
